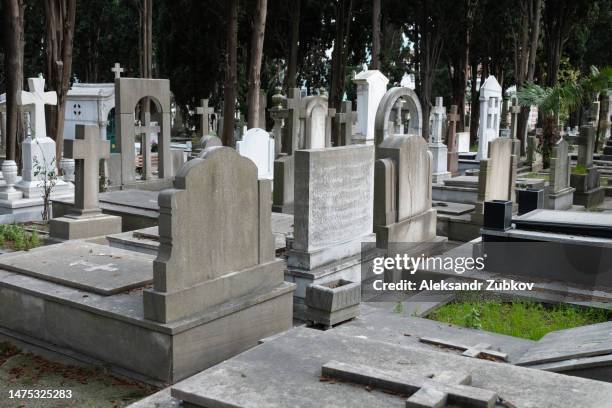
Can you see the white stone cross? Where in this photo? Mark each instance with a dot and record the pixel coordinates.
(479, 350)
(146, 130)
(206, 112)
(90, 267)
(117, 70)
(39, 98)
(87, 149)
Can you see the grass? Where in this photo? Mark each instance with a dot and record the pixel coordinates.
(89, 387)
(579, 169)
(534, 175)
(13, 236)
(529, 320)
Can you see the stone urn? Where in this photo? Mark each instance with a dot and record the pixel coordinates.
(332, 302)
(67, 166)
(9, 172)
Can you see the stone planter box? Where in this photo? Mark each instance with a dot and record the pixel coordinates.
(333, 302)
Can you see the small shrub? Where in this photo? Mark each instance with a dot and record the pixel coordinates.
(579, 169)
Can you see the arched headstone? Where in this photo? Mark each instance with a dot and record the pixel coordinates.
(387, 105)
(258, 146)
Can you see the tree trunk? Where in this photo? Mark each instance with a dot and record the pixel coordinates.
(295, 43)
(343, 21)
(475, 111)
(14, 22)
(376, 34)
(229, 88)
(257, 42)
(60, 19)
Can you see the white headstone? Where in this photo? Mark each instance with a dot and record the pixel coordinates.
(436, 147)
(371, 87)
(490, 115)
(463, 142)
(258, 146)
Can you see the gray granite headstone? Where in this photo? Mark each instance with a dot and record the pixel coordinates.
(215, 237)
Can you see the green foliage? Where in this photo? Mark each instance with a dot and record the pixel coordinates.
(524, 319)
(579, 169)
(16, 237)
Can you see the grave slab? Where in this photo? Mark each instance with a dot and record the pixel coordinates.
(567, 222)
(82, 265)
(286, 372)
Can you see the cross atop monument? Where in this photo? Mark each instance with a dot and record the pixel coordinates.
(438, 112)
(206, 112)
(87, 149)
(39, 98)
(117, 70)
(515, 109)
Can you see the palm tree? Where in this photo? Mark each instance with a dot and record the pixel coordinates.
(555, 103)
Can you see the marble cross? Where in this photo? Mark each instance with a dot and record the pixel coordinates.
(438, 113)
(146, 130)
(38, 98)
(117, 70)
(427, 391)
(87, 149)
(515, 109)
(91, 267)
(206, 112)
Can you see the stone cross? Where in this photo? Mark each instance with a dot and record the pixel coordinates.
(87, 149)
(39, 98)
(479, 350)
(145, 130)
(344, 123)
(206, 112)
(515, 109)
(438, 112)
(294, 103)
(117, 70)
(453, 118)
(91, 267)
(434, 391)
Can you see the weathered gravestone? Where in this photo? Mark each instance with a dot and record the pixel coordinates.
(436, 147)
(128, 93)
(332, 215)
(316, 126)
(371, 87)
(237, 214)
(343, 124)
(452, 157)
(534, 158)
(560, 194)
(497, 177)
(38, 150)
(385, 122)
(258, 146)
(205, 113)
(490, 117)
(585, 178)
(402, 199)
(85, 218)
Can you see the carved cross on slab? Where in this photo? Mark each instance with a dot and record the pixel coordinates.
(423, 392)
(206, 112)
(479, 350)
(117, 70)
(91, 267)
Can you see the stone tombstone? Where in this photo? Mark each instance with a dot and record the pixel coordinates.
(344, 124)
(210, 141)
(291, 131)
(258, 146)
(586, 146)
(315, 133)
(534, 158)
(333, 196)
(560, 195)
(38, 150)
(219, 195)
(371, 87)
(438, 149)
(497, 176)
(403, 191)
(128, 92)
(452, 158)
(85, 219)
(490, 115)
(410, 102)
(463, 142)
(205, 112)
